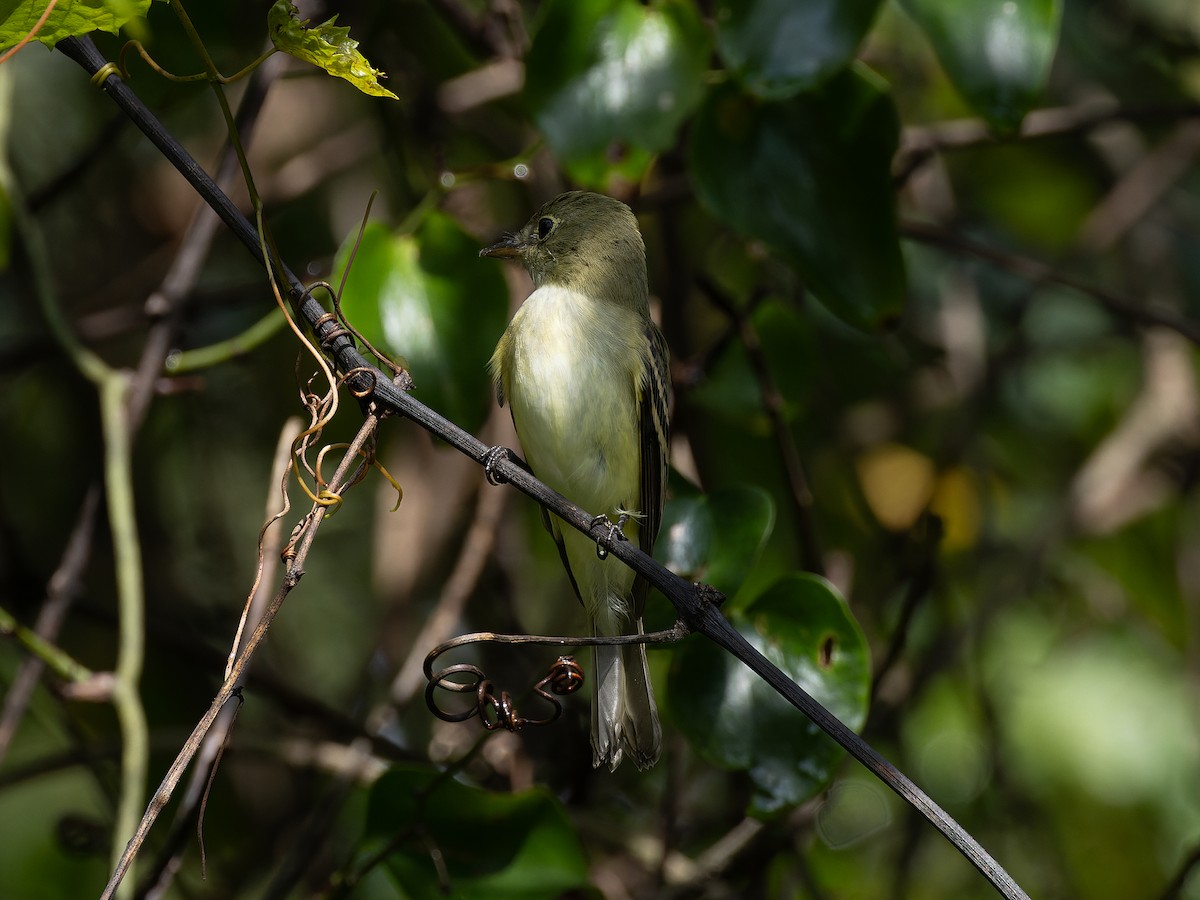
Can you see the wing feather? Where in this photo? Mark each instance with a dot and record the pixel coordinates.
(655, 440)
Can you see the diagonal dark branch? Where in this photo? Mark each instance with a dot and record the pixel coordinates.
(1039, 272)
(919, 143)
(772, 401)
(695, 603)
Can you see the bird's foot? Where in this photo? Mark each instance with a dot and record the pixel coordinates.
(614, 532)
(490, 458)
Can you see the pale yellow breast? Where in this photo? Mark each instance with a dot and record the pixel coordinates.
(570, 368)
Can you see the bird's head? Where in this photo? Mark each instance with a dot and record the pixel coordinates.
(583, 241)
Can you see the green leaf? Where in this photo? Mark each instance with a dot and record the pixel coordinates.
(428, 297)
(326, 47)
(70, 18)
(492, 845)
(997, 52)
(716, 538)
(811, 177)
(734, 719)
(779, 47)
(610, 81)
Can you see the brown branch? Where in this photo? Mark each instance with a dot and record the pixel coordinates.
(1039, 272)
(168, 863)
(919, 143)
(772, 400)
(346, 474)
(61, 591)
(166, 305)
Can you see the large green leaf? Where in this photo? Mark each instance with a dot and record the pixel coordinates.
(427, 297)
(610, 81)
(491, 845)
(69, 18)
(716, 538)
(779, 47)
(734, 719)
(810, 176)
(997, 52)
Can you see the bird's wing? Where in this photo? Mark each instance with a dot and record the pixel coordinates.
(655, 439)
(555, 527)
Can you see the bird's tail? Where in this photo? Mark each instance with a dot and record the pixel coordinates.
(624, 717)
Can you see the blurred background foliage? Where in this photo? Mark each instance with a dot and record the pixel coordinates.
(929, 272)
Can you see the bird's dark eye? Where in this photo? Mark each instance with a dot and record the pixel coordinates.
(545, 226)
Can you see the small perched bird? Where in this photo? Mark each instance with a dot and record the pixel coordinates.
(584, 372)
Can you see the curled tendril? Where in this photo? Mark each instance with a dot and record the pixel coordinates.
(200, 76)
(498, 710)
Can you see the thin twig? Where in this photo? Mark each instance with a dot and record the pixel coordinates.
(61, 590)
(168, 865)
(344, 475)
(1041, 273)
(166, 304)
(918, 143)
(785, 443)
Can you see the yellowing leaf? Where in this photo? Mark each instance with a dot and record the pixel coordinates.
(897, 483)
(326, 46)
(956, 500)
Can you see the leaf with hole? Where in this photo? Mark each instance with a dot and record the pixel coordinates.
(735, 720)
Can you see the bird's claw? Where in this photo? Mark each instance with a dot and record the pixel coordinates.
(490, 458)
(614, 531)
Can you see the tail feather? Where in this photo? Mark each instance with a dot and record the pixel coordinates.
(624, 716)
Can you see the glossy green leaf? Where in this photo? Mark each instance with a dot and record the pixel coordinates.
(716, 538)
(326, 46)
(610, 81)
(69, 18)
(429, 298)
(811, 178)
(492, 845)
(997, 52)
(734, 719)
(779, 47)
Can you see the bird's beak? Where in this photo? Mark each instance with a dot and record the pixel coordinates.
(509, 247)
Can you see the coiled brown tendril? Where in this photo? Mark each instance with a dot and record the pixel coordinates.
(498, 710)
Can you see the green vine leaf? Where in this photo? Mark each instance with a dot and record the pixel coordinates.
(327, 47)
(735, 720)
(780, 47)
(610, 82)
(527, 846)
(810, 176)
(69, 18)
(997, 52)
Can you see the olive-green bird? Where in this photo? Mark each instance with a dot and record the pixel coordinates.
(584, 372)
